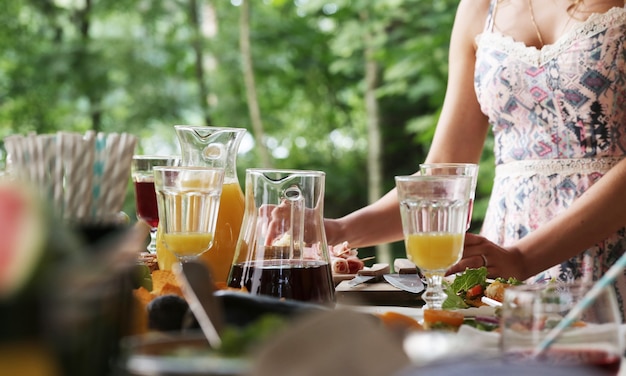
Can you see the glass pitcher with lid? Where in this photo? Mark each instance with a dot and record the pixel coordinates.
(282, 249)
(215, 147)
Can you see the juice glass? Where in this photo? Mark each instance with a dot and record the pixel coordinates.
(434, 220)
(145, 195)
(466, 169)
(220, 256)
(188, 200)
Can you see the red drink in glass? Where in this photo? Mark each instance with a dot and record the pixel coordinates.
(146, 202)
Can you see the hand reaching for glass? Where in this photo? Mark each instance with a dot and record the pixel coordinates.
(278, 220)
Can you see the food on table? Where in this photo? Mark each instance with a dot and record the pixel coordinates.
(354, 264)
(342, 250)
(399, 322)
(469, 287)
(441, 319)
(344, 260)
(339, 265)
(495, 290)
(149, 260)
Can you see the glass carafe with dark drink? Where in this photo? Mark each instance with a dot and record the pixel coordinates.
(282, 249)
(214, 147)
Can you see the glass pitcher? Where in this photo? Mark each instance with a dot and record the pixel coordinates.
(214, 147)
(282, 250)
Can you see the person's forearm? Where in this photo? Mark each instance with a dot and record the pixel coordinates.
(597, 214)
(374, 224)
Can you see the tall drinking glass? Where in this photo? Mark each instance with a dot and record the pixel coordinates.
(434, 216)
(145, 195)
(188, 200)
(594, 338)
(465, 169)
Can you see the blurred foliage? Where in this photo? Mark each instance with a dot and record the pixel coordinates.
(130, 66)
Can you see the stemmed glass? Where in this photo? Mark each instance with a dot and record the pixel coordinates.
(466, 169)
(434, 217)
(188, 201)
(145, 195)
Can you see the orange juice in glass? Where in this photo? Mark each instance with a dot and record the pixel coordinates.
(220, 256)
(187, 243)
(188, 201)
(435, 250)
(434, 220)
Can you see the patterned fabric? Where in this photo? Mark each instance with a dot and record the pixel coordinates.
(553, 110)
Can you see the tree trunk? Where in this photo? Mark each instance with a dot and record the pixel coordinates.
(248, 74)
(95, 101)
(203, 91)
(374, 155)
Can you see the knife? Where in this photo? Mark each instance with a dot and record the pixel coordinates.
(197, 286)
(406, 282)
(406, 277)
(373, 273)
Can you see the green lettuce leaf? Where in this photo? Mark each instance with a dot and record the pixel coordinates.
(455, 291)
(469, 278)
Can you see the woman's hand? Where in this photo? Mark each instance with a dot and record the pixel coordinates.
(278, 220)
(499, 261)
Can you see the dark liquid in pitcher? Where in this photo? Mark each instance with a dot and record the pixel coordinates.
(308, 281)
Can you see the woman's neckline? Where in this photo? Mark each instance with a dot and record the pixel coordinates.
(564, 38)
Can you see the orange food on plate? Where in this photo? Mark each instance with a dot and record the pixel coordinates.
(443, 319)
(396, 320)
(161, 278)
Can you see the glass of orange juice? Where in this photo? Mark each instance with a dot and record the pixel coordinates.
(188, 201)
(434, 220)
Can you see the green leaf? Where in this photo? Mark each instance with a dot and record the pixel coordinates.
(468, 279)
(143, 277)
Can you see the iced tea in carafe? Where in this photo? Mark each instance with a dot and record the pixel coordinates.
(214, 147)
(282, 249)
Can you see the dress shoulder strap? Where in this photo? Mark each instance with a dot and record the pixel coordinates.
(491, 16)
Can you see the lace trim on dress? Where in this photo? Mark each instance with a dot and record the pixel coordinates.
(596, 23)
(557, 166)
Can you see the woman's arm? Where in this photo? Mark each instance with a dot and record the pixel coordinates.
(460, 135)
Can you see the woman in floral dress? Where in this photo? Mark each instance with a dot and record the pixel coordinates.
(548, 78)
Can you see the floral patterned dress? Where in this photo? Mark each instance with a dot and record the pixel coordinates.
(558, 116)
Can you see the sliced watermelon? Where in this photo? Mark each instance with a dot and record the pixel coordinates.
(22, 234)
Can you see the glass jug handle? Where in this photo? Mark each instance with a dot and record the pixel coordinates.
(295, 198)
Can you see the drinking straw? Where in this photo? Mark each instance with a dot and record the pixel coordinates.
(98, 172)
(607, 279)
(45, 151)
(84, 172)
(12, 146)
(69, 152)
(58, 172)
